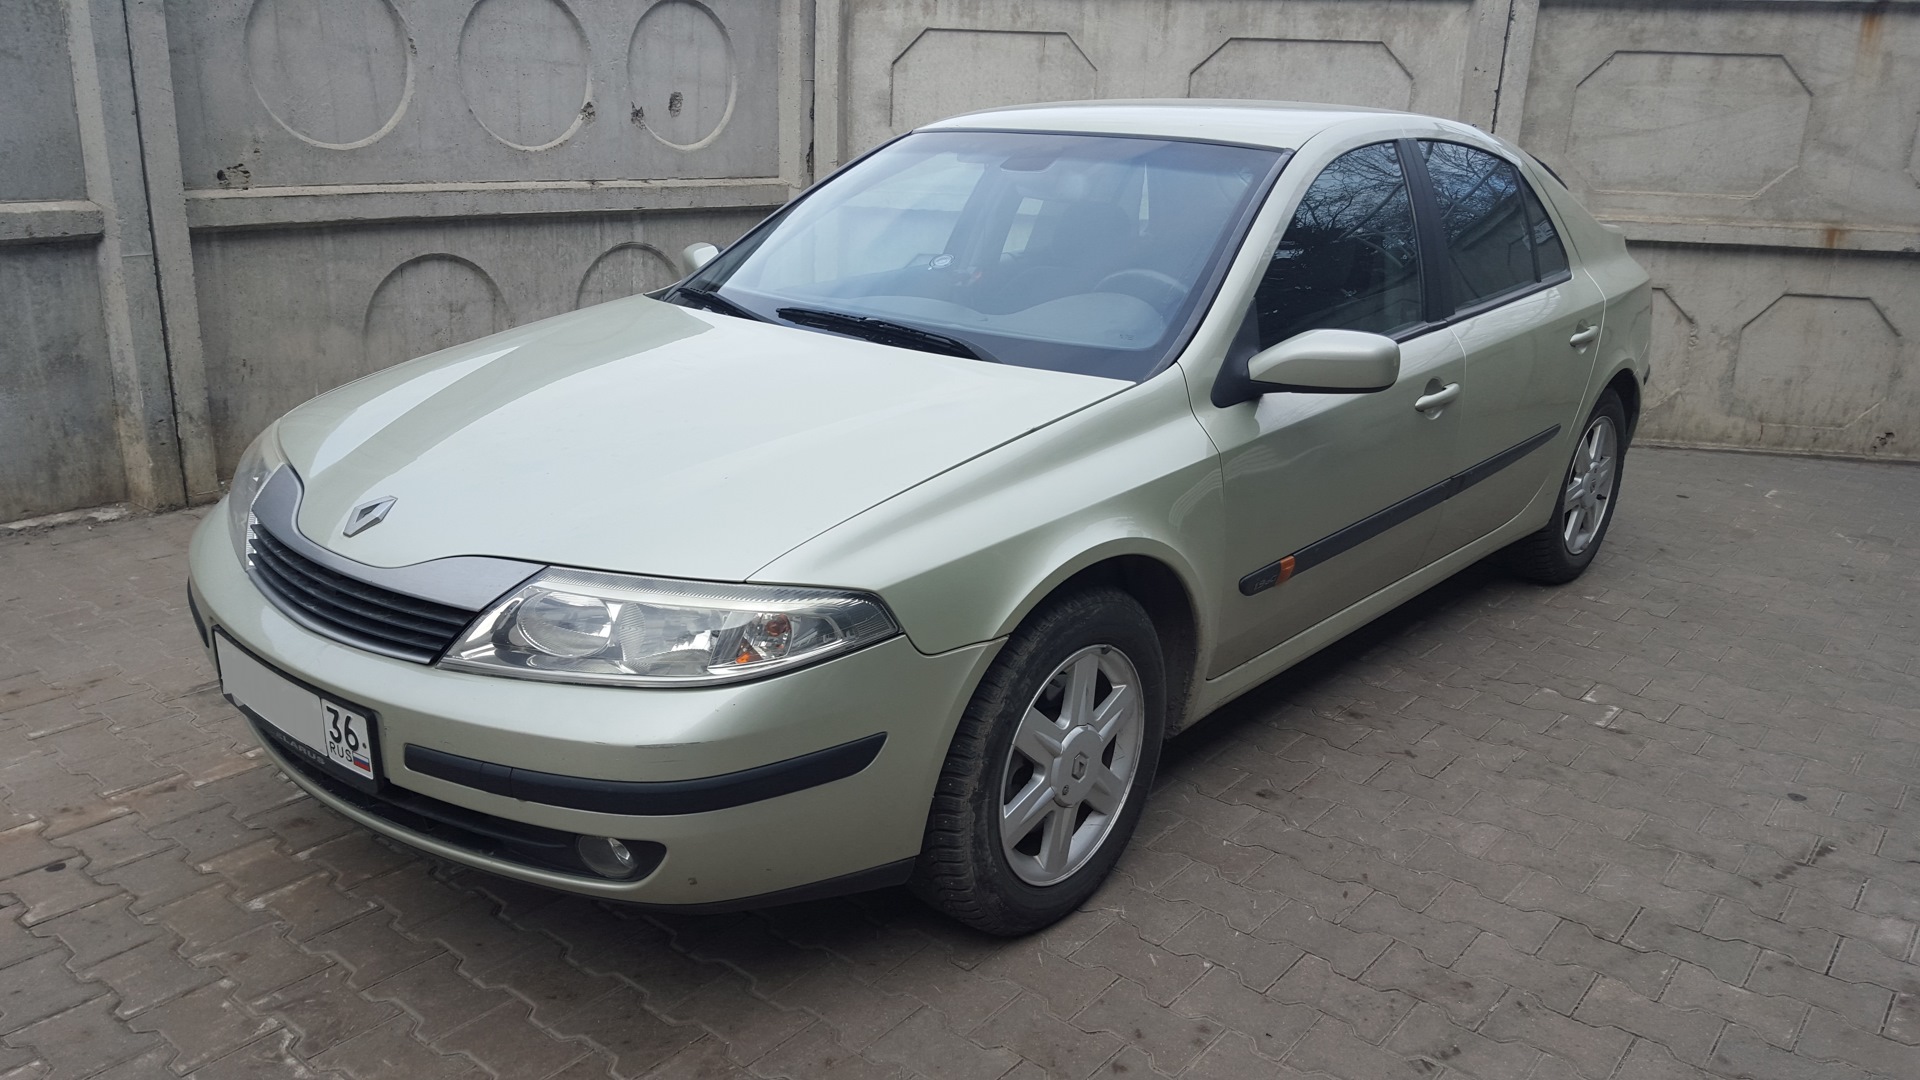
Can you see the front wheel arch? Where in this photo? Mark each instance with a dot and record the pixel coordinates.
(1169, 602)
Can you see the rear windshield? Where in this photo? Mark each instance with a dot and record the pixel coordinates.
(1081, 253)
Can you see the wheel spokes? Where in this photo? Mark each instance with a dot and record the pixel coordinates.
(1589, 486)
(1107, 791)
(1576, 518)
(1600, 480)
(1073, 762)
(1034, 802)
(1114, 712)
(1076, 707)
(1038, 738)
(1056, 841)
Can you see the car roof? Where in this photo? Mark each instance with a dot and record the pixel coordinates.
(1280, 124)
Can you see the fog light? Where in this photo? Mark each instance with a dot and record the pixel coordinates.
(606, 856)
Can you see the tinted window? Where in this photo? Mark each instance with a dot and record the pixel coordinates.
(1348, 260)
(1484, 219)
(1548, 253)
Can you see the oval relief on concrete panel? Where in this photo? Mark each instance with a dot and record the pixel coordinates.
(337, 75)
(524, 69)
(680, 67)
(430, 303)
(622, 271)
(1344, 72)
(954, 71)
(1815, 361)
(1688, 123)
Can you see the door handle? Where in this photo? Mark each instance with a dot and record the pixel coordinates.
(1584, 337)
(1429, 402)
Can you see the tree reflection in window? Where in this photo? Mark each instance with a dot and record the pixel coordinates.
(1349, 259)
(1484, 220)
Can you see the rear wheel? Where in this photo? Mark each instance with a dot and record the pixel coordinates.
(1564, 547)
(1049, 768)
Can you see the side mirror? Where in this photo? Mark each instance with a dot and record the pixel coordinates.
(698, 255)
(1326, 362)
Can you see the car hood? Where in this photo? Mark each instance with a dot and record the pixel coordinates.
(643, 437)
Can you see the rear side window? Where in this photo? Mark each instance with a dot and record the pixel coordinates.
(1499, 236)
(1348, 260)
(1484, 219)
(1548, 252)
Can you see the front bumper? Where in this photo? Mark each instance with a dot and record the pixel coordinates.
(839, 829)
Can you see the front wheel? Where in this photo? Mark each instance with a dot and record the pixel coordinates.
(1050, 767)
(1564, 547)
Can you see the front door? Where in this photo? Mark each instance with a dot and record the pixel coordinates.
(1528, 328)
(1328, 496)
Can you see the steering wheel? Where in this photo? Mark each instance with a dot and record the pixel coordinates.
(1163, 291)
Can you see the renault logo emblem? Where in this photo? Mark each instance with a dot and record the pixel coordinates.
(367, 515)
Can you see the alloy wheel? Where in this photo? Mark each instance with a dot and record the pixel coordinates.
(1589, 495)
(1072, 765)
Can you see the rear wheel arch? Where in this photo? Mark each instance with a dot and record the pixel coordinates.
(1627, 386)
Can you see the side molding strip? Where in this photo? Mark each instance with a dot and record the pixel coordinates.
(1403, 511)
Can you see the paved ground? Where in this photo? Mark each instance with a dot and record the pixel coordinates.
(1654, 823)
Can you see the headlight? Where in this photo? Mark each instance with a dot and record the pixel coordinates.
(581, 626)
(258, 463)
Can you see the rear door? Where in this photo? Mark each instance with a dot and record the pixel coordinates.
(1527, 326)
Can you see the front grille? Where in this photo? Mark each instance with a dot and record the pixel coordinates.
(349, 609)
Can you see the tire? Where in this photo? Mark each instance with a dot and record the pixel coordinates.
(1010, 887)
(1566, 545)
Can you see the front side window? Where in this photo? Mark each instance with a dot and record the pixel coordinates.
(1349, 259)
(1490, 239)
(1082, 253)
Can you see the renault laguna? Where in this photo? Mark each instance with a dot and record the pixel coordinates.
(890, 544)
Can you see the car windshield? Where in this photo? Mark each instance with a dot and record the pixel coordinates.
(1081, 253)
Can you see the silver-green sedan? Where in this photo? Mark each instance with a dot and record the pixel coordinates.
(891, 544)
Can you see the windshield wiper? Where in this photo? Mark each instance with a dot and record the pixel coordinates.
(706, 296)
(884, 332)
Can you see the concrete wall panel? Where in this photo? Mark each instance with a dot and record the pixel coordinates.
(1762, 156)
(291, 314)
(937, 76)
(58, 447)
(1744, 118)
(904, 64)
(1753, 116)
(1348, 72)
(1787, 350)
(39, 131)
(280, 93)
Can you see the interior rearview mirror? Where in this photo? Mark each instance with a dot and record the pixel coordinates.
(1326, 362)
(697, 255)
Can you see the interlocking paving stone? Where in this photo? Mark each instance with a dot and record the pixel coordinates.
(1655, 825)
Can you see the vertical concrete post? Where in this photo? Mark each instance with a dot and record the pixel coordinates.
(1494, 72)
(796, 93)
(129, 287)
(829, 85)
(172, 247)
(1516, 70)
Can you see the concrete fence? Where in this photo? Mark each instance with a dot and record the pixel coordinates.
(211, 210)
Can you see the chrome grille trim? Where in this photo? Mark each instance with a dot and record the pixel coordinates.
(340, 607)
(411, 612)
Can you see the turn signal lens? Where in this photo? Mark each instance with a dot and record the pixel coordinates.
(259, 462)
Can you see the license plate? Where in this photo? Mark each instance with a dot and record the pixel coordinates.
(325, 731)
